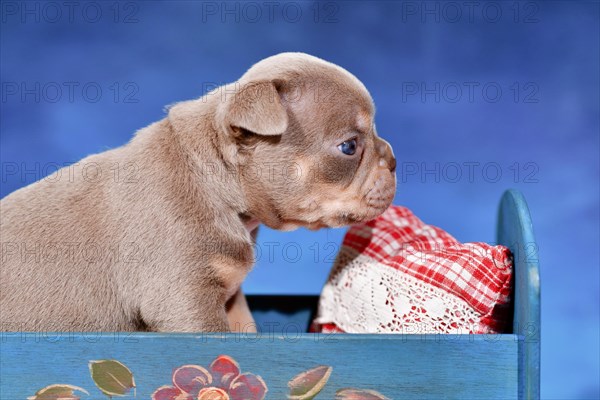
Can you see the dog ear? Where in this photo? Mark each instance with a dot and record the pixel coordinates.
(256, 107)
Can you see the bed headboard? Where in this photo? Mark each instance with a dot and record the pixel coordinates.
(515, 230)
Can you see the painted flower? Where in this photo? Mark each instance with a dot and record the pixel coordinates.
(221, 381)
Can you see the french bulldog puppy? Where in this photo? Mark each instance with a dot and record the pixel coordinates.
(157, 234)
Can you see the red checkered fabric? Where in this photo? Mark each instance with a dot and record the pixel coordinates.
(476, 274)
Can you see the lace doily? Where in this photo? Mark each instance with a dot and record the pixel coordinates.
(365, 296)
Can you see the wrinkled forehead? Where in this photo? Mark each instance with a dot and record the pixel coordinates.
(339, 104)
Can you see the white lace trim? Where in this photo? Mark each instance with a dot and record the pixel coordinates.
(364, 296)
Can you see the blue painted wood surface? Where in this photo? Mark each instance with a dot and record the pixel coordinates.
(515, 230)
(398, 366)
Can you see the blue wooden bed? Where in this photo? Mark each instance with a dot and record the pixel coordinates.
(499, 366)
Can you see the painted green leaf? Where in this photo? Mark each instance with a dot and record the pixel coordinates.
(59, 391)
(308, 384)
(112, 377)
(358, 394)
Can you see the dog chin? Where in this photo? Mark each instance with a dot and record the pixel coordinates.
(346, 219)
(334, 222)
(288, 226)
(343, 219)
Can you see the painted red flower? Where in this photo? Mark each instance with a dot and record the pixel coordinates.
(221, 381)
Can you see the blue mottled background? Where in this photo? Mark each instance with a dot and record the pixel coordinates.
(475, 97)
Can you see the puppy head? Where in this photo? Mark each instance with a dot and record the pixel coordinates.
(305, 144)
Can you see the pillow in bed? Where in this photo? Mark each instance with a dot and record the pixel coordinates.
(396, 274)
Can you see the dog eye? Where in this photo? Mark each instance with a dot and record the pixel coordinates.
(348, 147)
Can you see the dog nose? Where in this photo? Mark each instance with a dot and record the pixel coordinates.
(393, 164)
(387, 155)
